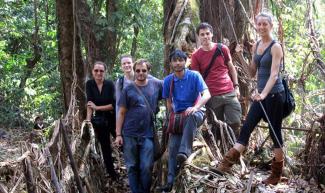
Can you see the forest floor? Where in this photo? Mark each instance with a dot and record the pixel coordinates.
(195, 176)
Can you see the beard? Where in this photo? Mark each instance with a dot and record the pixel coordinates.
(141, 78)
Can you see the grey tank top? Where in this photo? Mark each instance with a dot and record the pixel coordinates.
(264, 70)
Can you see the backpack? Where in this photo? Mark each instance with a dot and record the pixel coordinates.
(121, 82)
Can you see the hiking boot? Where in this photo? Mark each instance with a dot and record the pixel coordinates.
(276, 174)
(165, 188)
(231, 157)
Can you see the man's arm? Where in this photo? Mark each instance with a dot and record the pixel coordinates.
(89, 113)
(233, 75)
(119, 124)
(203, 100)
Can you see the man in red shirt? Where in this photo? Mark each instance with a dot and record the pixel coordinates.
(221, 77)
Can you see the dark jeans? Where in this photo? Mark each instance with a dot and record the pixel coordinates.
(102, 134)
(273, 105)
(138, 156)
(182, 143)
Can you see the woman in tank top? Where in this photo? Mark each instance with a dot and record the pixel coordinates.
(266, 65)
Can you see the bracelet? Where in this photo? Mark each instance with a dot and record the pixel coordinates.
(236, 85)
(118, 135)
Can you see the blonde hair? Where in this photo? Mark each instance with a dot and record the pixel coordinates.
(266, 15)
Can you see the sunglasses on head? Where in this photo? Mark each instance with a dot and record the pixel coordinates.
(138, 70)
(96, 70)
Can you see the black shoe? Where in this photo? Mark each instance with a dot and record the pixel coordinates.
(180, 159)
(165, 188)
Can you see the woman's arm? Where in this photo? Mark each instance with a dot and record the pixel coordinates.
(252, 68)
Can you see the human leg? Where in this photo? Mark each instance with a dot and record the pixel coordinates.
(274, 109)
(173, 147)
(232, 156)
(191, 124)
(232, 112)
(104, 140)
(131, 157)
(146, 163)
(216, 103)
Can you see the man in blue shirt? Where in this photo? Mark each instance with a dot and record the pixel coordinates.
(189, 93)
(137, 104)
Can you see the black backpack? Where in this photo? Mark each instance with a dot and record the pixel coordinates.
(121, 82)
(289, 103)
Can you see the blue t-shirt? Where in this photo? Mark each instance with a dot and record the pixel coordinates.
(138, 121)
(186, 90)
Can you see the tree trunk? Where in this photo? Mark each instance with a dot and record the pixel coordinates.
(180, 19)
(230, 20)
(71, 63)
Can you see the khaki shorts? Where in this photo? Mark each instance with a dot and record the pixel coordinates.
(226, 107)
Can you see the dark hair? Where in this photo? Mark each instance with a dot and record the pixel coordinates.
(177, 53)
(142, 61)
(204, 25)
(100, 63)
(126, 56)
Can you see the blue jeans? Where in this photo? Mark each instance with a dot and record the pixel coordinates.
(182, 143)
(273, 105)
(138, 156)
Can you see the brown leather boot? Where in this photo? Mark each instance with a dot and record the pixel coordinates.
(276, 174)
(231, 157)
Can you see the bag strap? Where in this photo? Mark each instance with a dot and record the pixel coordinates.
(270, 46)
(145, 99)
(121, 82)
(217, 52)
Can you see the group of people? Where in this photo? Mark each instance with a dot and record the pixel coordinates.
(212, 81)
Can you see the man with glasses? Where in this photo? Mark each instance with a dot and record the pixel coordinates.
(134, 129)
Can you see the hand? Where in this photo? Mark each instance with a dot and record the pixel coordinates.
(87, 122)
(191, 110)
(239, 48)
(258, 97)
(118, 141)
(91, 105)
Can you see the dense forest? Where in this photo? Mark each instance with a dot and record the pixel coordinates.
(47, 49)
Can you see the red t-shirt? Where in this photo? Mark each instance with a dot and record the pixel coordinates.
(218, 79)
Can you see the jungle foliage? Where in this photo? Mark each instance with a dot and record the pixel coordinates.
(30, 79)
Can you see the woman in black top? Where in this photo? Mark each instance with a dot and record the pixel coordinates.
(266, 64)
(101, 113)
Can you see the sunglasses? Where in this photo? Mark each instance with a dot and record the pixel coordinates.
(96, 70)
(138, 70)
